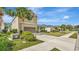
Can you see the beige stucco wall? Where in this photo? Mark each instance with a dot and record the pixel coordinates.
(2, 27)
(19, 24)
(28, 23)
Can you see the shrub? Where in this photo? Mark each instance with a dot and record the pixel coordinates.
(28, 36)
(5, 43)
(8, 33)
(21, 31)
(4, 31)
(14, 30)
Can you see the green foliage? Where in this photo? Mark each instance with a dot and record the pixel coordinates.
(28, 36)
(56, 33)
(5, 44)
(14, 30)
(10, 12)
(55, 49)
(8, 33)
(42, 29)
(20, 45)
(21, 12)
(74, 36)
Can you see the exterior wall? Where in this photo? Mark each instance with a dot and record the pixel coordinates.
(1, 23)
(15, 24)
(28, 23)
(20, 24)
(2, 27)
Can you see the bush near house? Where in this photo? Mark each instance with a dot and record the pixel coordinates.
(4, 31)
(5, 43)
(28, 36)
(9, 33)
(14, 30)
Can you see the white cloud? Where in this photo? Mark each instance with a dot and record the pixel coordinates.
(66, 17)
(45, 20)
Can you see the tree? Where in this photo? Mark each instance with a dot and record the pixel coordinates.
(63, 27)
(20, 12)
(76, 27)
(42, 28)
(69, 27)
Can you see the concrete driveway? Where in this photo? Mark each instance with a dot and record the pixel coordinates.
(50, 42)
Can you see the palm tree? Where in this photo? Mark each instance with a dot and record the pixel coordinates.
(20, 12)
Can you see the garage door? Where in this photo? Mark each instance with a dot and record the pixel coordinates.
(31, 29)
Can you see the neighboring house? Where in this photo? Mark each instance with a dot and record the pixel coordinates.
(26, 25)
(48, 29)
(1, 23)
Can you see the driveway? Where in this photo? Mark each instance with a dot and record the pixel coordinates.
(50, 42)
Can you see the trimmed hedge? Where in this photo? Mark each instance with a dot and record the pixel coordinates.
(28, 36)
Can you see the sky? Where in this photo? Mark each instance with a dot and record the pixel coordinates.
(53, 15)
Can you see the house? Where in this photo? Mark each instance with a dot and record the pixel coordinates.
(48, 29)
(1, 21)
(24, 25)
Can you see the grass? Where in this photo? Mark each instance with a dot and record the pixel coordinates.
(56, 33)
(55, 49)
(18, 44)
(74, 36)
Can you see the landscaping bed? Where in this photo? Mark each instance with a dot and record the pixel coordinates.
(55, 49)
(56, 33)
(74, 36)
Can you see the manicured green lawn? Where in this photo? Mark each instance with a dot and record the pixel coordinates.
(55, 49)
(56, 33)
(18, 44)
(74, 36)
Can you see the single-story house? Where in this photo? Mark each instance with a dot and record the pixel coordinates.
(48, 29)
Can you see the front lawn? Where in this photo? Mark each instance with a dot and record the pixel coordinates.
(55, 49)
(27, 40)
(18, 44)
(56, 33)
(74, 36)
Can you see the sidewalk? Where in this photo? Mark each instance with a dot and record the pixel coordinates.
(68, 35)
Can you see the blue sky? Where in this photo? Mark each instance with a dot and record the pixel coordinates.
(53, 15)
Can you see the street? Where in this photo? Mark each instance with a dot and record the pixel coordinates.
(50, 42)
